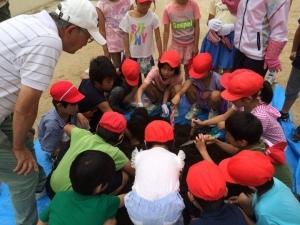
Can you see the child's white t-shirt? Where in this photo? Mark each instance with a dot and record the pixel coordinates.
(157, 172)
(140, 32)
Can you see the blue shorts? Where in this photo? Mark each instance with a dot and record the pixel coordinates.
(164, 211)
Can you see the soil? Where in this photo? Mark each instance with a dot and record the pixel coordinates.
(70, 67)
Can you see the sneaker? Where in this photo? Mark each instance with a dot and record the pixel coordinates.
(193, 112)
(296, 136)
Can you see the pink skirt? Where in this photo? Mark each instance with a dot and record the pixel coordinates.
(185, 51)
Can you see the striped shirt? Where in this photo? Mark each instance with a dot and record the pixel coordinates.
(29, 50)
(268, 115)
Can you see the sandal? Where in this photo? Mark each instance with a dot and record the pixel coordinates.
(296, 136)
(284, 116)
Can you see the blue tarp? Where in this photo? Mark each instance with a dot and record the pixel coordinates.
(292, 155)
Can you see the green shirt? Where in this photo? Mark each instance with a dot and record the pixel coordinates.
(82, 140)
(69, 208)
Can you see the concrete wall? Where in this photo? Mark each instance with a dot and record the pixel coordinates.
(22, 6)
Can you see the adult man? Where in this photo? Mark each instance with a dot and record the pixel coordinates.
(29, 49)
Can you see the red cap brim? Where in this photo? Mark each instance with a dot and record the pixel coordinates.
(132, 83)
(75, 99)
(225, 79)
(230, 97)
(195, 75)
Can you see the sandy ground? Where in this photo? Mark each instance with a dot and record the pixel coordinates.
(72, 66)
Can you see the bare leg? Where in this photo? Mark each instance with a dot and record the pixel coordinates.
(116, 58)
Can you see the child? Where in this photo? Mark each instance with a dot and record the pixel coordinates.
(219, 39)
(136, 125)
(122, 95)
(162, 82)
(138, 25)
(90, 174)
(273, 202)
(207, 190)
(293, 84)
(65, 98)
(154, 198)
(247, 91)
(109, 134)
(183, 16)
(203, 87)
(101, 80)
(260, 33)
(243, 131)
(110, 14)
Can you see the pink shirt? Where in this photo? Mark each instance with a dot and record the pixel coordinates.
(113, 12)
(268, 115)
(155, 78)
(181, 18)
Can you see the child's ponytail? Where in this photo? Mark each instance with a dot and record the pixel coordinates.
(266, 93)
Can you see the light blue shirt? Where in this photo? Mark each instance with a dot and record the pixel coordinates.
(278, 206)
(51, 130)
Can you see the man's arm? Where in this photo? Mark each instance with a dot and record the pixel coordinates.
(25, 113)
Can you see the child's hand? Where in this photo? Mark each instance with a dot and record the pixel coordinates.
(176, 99)
(200, 143)
(197, 122)
(209, 139)
(82, 121)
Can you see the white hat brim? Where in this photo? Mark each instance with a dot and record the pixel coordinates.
(97, 36)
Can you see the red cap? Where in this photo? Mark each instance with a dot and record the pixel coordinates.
(65, 91)
(201, 64)
(131, 71)
(276, 153)
(206, 181)
(143, 1)
(171, 57)
(240, 84)
(159, 131)
(113, 121)
(248, 167)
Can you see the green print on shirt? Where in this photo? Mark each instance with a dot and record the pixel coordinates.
(182, 24)
(137, 34)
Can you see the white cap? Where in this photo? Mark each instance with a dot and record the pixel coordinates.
(81, 13)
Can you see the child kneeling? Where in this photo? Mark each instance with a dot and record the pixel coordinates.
(90, 174)
(154, 198)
